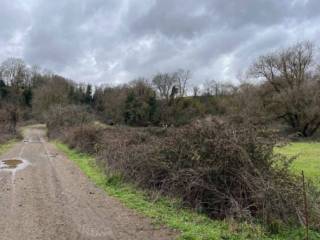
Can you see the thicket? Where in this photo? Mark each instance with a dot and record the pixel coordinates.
(59, 118)
(218, 167)
(7, 130)
(285, 93)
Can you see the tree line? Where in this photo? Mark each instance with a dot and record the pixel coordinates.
(285, 91)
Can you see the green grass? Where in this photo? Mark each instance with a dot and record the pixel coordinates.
(307, 158)
(191, 225)
(6, 146)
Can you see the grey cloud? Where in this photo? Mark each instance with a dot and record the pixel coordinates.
(189, 18)
(14, 18)
(114, 41)
(172, 18)
(63, 31)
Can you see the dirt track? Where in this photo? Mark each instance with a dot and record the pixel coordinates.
(52, 199)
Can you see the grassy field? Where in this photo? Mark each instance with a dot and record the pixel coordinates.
(193, 226)
(307, 158)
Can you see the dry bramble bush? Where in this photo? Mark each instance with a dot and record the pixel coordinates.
(218, 167)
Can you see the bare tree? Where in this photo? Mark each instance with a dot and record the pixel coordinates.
(287, 68)
(109, 102)
(55, 91)
(14, 72)
(196, 91)
(164, 83)
(13, 111)
(183, 77)
(291, 88)
(217, 88)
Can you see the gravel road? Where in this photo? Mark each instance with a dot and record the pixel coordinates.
(48, 197)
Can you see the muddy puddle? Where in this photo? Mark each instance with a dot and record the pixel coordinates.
(13, 164)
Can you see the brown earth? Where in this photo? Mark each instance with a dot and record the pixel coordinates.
(52, 199)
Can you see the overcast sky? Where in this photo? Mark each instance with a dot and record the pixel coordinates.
(115, 41)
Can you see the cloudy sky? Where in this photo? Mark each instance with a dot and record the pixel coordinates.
(114, 41)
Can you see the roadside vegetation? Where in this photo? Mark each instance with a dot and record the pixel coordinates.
(6, 146)
(169, 211)
(213, 150)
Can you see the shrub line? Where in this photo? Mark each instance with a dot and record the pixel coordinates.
(192, 225)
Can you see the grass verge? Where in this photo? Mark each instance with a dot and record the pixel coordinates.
(6, 146)
(193, 226)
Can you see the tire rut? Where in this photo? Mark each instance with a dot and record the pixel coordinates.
(51, 199)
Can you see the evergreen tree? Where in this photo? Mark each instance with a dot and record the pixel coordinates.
(88, 95)
(3, 89)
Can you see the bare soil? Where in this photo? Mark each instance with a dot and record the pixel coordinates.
(51, 198)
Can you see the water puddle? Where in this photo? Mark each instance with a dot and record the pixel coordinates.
(10, 164)
(13, 164)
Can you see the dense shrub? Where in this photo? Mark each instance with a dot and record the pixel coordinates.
(6, 129)
(181, 111)
(219, 168)
(60, 118)
(141, 106)
(84, 138)
(6, 136)
(9, 117)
